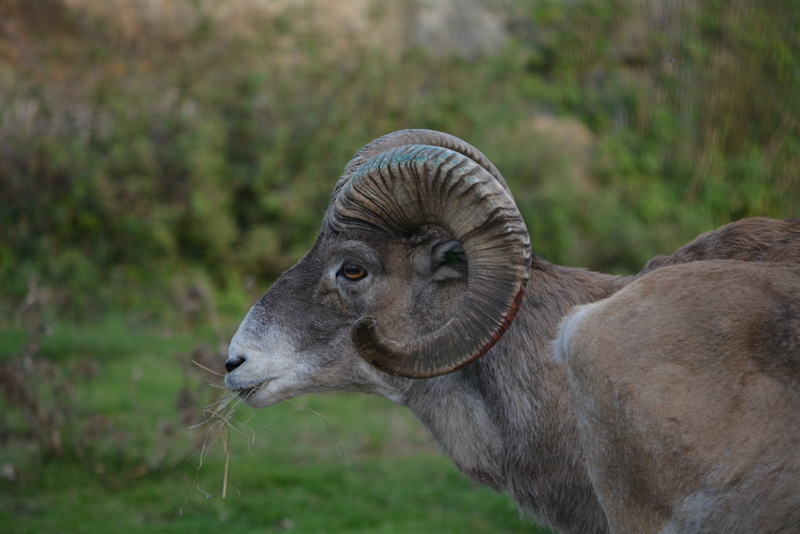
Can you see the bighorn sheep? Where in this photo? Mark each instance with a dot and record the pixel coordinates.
(422, 288)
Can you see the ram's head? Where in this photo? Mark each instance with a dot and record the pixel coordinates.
(418, 270)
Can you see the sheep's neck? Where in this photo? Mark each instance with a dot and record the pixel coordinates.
(507, 420)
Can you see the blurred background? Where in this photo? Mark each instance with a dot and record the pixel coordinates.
(163, 161)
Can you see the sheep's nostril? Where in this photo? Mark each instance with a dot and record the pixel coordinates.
(233, 363)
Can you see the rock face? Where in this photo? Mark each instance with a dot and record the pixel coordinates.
(443, 28)
(464, 28)
(570, 142)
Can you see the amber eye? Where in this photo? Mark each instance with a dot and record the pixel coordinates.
(353, 272)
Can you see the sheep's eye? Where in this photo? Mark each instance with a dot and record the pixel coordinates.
(353, 272)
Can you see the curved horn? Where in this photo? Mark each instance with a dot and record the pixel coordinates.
(407, 187)
(416, 137)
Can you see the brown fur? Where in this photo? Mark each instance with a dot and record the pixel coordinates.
(686, 387)
(753, 239)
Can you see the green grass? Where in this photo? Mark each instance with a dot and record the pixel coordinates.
(322, 463)
(422, 493)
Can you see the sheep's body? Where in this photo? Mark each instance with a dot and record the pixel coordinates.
(686, 387)
(396, 278)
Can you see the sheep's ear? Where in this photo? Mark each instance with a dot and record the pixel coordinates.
(447, 260)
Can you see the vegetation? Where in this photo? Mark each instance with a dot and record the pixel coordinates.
(105, 439)
(155, 178)
(135, 164)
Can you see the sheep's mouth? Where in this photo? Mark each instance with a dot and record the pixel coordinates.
(246, 393)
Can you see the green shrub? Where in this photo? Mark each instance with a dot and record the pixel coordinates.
(136, 161)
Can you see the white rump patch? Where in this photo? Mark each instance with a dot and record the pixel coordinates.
(567, 327)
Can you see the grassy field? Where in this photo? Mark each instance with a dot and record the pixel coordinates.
(127, 461)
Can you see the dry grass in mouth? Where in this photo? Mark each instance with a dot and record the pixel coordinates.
(220, 418)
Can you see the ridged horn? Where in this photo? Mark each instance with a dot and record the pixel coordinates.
(417, 137)
(405, 188)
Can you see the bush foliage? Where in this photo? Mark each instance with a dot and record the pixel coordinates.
(131, 165)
